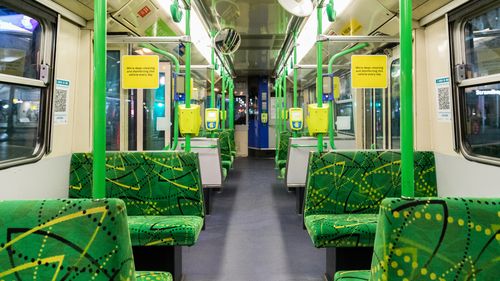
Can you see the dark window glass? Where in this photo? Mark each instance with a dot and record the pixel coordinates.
(154, 108)
(482, 44)
(240, 110)
(395, 110)
(20, 37)
(113, 101)
(19, 121)
(482, 120)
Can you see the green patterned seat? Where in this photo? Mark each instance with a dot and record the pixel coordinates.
(354, 275)
(343, 185)
(436, 239)
(225, 148)
(69, 239)
(152, 276)
(152, 184)
(164, 230)
(282, 154)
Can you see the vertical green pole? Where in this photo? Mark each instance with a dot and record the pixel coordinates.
(188, 68)
(223, 101)
(99, 145)
(231, 104)
(319, 70)
(212, 73)
(295, 76)
(278, 115)
(285, 105)
(407, 165)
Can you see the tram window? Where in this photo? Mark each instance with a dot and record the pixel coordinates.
(19, 121)
(240, 110)
(113, 101)
(24, 102)
(20, 37)
(395, 105)
(482, 43)
(481, 126)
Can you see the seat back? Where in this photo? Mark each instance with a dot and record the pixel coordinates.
(357, 181)
(150, 183)
(437, 239)
(72, 239)
(284, 142)
(225, 144)
(208, 150)
(298, 158)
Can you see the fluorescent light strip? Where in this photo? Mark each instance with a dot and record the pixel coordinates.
(199, 35)
(307, 36)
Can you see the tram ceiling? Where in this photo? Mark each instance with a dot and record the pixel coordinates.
(262, 25)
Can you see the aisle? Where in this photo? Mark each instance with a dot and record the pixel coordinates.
(253, 233)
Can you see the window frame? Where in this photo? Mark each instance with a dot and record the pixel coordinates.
(49, 22)
(457, 23)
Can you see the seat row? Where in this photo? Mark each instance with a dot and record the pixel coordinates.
(347, 212)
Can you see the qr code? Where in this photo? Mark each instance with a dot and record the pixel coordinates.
(60, 100)
(444, 99)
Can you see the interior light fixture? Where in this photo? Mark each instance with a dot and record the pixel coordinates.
(307, 37)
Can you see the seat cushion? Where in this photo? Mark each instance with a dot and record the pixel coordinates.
(164, 231)
(342, 230)
(148, 275)
(355, 275)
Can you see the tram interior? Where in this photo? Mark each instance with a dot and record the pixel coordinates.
(273, 140)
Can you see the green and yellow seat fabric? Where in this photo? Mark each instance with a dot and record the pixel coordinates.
(344, 190)
(68, 239)
(435, 239)
(282, 154)
(162, 191)
(225, 149)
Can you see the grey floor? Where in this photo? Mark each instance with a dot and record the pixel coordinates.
(253, 233)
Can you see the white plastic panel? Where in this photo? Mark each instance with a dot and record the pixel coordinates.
(298, 160)
(210, 160)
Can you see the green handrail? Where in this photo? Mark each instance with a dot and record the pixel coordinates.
(212, 76)
(331, 110)
(99, 139)
(295, 76)
(212, 73)
(406, 88)
(231, 104)
(285, 105)
(170, 56)
(343, 53)
(319, 69)
(188, 68)
(223, 100)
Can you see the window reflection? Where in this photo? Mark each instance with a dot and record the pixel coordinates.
(482, 120)
(19, 121)
(19, 44)
(395, 105)
(240, 110)
(113, 101)
(482, 44)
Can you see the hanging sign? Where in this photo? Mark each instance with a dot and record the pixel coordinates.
(369, 72)
(140, 72)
